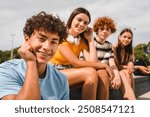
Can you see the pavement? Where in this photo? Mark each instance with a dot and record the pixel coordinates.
(142, 87)
(145, 96)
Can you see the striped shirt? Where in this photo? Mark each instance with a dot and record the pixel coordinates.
(104, 51)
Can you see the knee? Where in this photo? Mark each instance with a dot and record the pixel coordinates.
(91, 83)
(103, 75)
(91, 76)
(102, 72)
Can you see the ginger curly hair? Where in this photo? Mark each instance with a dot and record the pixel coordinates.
(104, 21)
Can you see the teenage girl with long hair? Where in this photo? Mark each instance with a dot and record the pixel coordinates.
(124, 58)
(67, 60)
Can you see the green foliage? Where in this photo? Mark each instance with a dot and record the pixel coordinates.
(142, 52)
(5, 55)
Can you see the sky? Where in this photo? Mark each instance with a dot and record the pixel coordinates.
(134, 14)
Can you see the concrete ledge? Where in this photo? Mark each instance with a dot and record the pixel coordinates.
(145, 96)
(142, 86)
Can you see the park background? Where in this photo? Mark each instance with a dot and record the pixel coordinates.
(126, 13)
(134, 14)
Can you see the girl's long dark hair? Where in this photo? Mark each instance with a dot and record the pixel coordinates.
(73, 14)
(128, 49)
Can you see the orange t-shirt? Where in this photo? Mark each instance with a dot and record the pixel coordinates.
(76, 49)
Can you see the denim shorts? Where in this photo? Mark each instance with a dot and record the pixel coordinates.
(61, 67)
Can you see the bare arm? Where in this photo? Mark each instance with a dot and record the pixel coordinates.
(116, 82)
(129, 67)
(75, 62)
(143, 69)
(90, 55)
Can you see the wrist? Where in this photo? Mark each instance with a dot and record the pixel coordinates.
(102, 65)
(130, 63)
(135, 67)
(91, 42)
(31, 63)
(106, 66)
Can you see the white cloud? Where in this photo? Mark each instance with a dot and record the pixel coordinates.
(133, 13)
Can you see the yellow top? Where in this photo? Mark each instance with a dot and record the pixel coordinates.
(58, 58)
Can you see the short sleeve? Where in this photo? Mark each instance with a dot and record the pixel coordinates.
(8, 82)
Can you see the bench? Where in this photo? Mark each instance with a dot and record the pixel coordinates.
(142, 85)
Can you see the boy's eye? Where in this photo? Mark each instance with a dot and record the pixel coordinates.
(102, 28)
(41, 39)
(55, 42)
(107, 29)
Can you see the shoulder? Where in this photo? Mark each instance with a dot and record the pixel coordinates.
(56, 73)
(114, 45)
(11, 64)
(12, 69)
(109, 44)
(64, 43)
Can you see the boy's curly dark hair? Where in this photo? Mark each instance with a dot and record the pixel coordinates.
(104, 21)
(48, 22)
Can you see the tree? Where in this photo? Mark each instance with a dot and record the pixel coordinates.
(142, 53)
(5, 55)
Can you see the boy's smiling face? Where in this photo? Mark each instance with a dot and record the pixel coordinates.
(44, 45)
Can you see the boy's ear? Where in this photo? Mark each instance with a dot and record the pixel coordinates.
(26, 38)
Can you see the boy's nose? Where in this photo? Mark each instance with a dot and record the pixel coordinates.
(46, 45)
